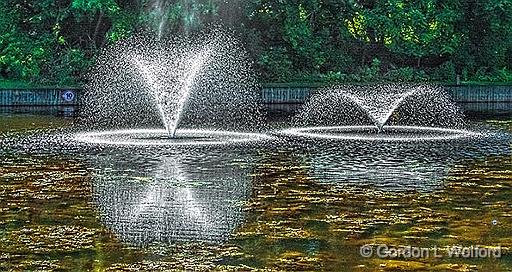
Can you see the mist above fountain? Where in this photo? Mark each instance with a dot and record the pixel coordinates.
(390, 112)
(195, 87)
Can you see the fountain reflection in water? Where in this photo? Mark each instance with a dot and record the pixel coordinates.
(172, 202)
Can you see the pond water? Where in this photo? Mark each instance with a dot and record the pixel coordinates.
(286, 204)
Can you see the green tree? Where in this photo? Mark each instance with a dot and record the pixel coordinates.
(55, 41)
(302, 39)
(487, 39)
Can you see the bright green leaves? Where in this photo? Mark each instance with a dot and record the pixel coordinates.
(416, 28)
(38, 40)
(356, 25)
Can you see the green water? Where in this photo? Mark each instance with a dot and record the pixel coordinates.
(48, 219)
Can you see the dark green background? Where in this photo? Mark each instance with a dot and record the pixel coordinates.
(55, 41)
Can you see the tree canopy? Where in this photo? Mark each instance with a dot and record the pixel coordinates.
(55, 41)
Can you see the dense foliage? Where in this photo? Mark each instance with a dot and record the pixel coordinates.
(301, 40)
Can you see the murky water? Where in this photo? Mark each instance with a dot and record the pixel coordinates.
(287, 206)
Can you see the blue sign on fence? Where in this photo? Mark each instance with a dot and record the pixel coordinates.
(68, 96)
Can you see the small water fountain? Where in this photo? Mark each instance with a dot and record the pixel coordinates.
(381, 113)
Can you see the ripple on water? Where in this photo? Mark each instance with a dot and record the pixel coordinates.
(304, 207)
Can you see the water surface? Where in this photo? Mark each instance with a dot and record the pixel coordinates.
(289, 206)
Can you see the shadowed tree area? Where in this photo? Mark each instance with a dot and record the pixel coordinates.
(55, 41)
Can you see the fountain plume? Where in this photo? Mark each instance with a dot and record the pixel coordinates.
(171, 100)
(379, 110)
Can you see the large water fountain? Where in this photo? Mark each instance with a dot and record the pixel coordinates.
(199, 90)
(389, 112)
